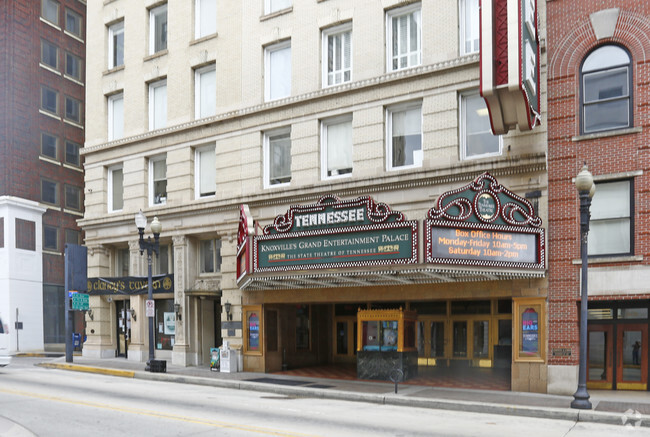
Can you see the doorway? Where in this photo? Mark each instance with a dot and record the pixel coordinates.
(123, 319)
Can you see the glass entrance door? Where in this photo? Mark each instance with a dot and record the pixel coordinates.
(600, 363)
(632, 357)
(431, 342)
(123, 327)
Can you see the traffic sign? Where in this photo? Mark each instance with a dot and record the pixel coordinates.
(80, 301)
(150, 309)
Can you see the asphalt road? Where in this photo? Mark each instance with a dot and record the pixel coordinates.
(48, 402)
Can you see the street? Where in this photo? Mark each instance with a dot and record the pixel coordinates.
(49, 402)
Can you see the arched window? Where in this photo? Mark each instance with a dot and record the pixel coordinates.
(606, 102)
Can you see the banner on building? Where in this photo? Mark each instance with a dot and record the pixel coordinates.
(130, 285)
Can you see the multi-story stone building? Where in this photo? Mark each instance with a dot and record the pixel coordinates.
(42, 45)
(209, 112)
(598, 114)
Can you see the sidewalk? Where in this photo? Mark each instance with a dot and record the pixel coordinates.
(612, 407)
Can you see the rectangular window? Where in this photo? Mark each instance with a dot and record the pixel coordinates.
(205, 92)
(72, 236)
(469, 27)
(50, 238)
(158, 29)
(115, 189)
(72, 153)
(73, 66)
(25, 234)
(404, 37)
(73, 23)
(611, 225)
(50, 11)
(210, 256)
(206, 172)
(49, 100)
(49, 192)
(277, 156)
(116, 45)
(164, 262)
(277, 80)
(158, 181)
(72, 197)
(337, 54)
(49, 54)
(115, 117)
(122, 261)
(206, 18)
(49, 145)
(271, 6)
(336, 147)
(476, 138)
(404, 135)
(158, 105)
(72, 109)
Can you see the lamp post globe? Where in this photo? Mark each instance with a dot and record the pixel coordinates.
(584, 180)
(140, 220)
(156, 226)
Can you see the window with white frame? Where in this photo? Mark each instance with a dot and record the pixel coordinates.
(72, 109)
(611, 225)
(73, 66)
(277, 80)
(158, 180)
(210, 256)
(158, 29)
(271, 6)
(50, 11)
(277, 158)
(205, 162)
(336, 147)
(49, 145)
(49, 54)
(337, 55)
(158, 105)
(404, 126)
(606, 103)
(115, 117)
(469, 27)
(116, 45)
(73, 23)
(205, 22)
(476, 138)
(404, 31)
(205, 92)
(115, 188)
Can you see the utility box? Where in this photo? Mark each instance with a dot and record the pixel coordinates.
(158, 366)
(228, 360)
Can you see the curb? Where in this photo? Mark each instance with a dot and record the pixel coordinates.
(89, 369)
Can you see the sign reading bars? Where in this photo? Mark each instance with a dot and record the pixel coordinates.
(335, 233)
(484, 224)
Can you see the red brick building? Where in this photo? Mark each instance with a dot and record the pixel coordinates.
(42, 52)
(599, 114)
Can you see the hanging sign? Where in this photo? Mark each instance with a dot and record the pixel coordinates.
(129, 285)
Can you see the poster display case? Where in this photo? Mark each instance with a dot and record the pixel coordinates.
(529, 326)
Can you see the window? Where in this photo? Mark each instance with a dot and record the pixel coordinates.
(277, 81)
(49, 192)
(206, 177)
(210, 256)
(49, 100)
(122, 261)
(164, 262)
(73, 23)
(277, 156)
(49, 54)
(271, 6)
(206, 18)
(158, 29)
(50, 238)
(611, 226)
(73, 66)
(606, 101)
(72, 236)
(72, 153)
(205, 92)
(158, 105)
(115, 117)
(337, 53)
(50, 11)
(72, 109)
(336, 147)
(158, 181)
(405, 136)
(404, 37)
(115, 188)
(72, 197)
(469, 27)
(166, 321)
(116, 45)
(25, 234)
(476, 138)
(49, 145)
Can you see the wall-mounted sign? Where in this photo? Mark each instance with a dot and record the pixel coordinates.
(130, 285)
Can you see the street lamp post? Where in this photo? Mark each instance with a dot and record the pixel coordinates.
(586, 189)
(150, 247)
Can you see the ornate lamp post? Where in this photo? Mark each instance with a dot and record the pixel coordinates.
(586, 189)
(150, 247)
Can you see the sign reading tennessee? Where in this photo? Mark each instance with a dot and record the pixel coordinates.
(335, 233)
